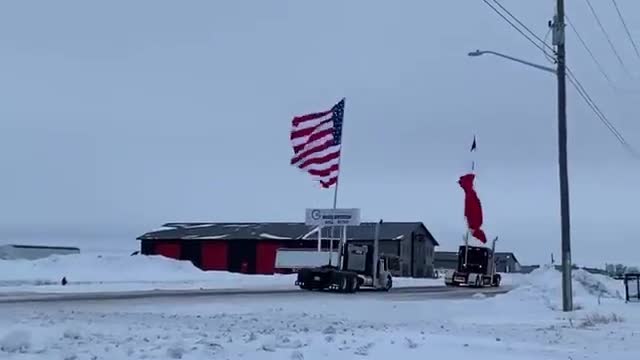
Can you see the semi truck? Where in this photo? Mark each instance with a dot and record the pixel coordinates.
(475, 267)
(355, 266)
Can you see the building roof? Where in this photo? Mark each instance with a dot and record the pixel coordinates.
(278, 231)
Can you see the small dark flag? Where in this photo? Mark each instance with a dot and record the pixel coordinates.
(473, 146)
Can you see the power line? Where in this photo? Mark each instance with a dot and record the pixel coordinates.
(572, 79)
(549, 57)
(584, 44)
(626, 28)
(523, 25)
(515, 26)
(596, 109)
(606, 35)
(601, 116)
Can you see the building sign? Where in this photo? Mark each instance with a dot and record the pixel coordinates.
(328, 217)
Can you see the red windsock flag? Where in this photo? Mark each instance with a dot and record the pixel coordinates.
(472, 207)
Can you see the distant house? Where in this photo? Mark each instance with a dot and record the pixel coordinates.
(506, 262)
(251, 247)
(32, 252)
(445, 260)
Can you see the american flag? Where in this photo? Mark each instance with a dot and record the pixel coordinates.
(316, 140)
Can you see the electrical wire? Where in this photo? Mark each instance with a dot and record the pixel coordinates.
(596, 109)
(586, 47)
(572, 79)
(606, 35)
(601, 116)
(626, 28)
(523, 25)
(549, 57)
(514, 26)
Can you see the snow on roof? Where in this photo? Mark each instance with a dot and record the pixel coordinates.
(205, 237)
(162, 228)
(274, 237)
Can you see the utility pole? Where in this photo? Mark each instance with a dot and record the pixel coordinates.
(558, 41)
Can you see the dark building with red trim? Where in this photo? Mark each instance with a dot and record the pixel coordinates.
(251, 247)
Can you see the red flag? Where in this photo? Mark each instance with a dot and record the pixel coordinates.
(472, 207)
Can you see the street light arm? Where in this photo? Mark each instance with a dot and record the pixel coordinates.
(540, 67)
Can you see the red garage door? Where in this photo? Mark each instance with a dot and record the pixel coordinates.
(214, 255)
(170, 250)
(266, 257)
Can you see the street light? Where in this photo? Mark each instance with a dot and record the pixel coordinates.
(540, 67)
(567, 296)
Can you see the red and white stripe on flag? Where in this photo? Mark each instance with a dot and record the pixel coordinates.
(316, 141)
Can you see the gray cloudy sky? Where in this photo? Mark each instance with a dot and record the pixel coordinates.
(118, 116)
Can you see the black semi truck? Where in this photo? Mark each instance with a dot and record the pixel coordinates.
(476, 267)
(358, 266)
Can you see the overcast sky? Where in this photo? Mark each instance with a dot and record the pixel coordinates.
(118, 116)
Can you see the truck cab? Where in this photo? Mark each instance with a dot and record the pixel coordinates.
(475, 268)
(356, 269)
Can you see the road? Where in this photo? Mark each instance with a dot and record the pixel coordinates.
(404, 293)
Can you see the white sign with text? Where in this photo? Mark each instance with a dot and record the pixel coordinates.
(329, 217)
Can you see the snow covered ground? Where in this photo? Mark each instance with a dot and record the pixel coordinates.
(523, 324)
(118, 273)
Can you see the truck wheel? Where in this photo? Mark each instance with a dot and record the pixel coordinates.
(354, 284)
(389, 284)
(344, 284)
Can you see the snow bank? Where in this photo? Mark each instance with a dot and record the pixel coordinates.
(94, 272)
(91, 272)
(544, 286)
(91, 267)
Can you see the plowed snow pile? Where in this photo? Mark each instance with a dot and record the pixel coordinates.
(545, 286)
(92, 272)
(121, 273)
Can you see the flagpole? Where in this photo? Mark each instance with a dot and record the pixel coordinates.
(473, 168)
(335, 203)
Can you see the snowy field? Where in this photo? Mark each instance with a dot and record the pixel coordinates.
(118, 273)
(523, 324)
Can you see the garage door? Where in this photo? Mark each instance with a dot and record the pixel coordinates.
(170, 250)
(214, 256)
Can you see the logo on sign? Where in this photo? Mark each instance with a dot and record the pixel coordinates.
(329, 217)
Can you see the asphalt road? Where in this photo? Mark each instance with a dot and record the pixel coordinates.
(405, 293)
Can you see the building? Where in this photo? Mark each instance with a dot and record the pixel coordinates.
(251, 247)
(506, 262)
(33, 252)
(445, 260)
